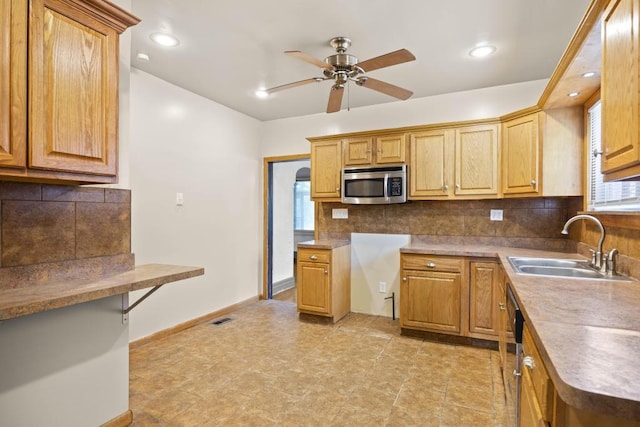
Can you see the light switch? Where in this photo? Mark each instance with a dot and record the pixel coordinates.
(179, 199)
(496, 215)
(340, 213)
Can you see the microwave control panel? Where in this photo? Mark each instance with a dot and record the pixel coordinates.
(395, 186)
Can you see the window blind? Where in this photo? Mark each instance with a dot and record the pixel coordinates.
(612, 196)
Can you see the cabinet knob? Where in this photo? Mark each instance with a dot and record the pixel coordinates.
(502, 306)
(516, 373)
(431, 265)
(313, 257)
(529, 362)
(326, 272)
(533, 182)
(445, 188)
(404, 279)
(457, 186)
(337, 188)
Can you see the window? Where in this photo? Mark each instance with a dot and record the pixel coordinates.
(303, 215)
(606, 196)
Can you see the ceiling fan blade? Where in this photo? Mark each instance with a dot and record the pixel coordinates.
(308, 58)
(335, 99)
(392, 58)
(386, 88)
(294, 84)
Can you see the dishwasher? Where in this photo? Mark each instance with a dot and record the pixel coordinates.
(513, 374)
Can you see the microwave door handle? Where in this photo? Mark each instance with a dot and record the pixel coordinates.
(386, 187)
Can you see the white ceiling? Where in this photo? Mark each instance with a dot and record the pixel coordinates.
(230, 48)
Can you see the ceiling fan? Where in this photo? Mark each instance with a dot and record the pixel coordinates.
(343, 67)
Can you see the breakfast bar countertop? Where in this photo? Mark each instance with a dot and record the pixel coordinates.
(16, 301)
(587, 331)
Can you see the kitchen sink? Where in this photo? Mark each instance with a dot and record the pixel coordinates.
(556, 267)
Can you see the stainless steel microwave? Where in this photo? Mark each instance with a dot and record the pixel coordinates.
(374, 185)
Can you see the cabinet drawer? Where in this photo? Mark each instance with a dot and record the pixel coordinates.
(431, 263)
(314, 255)
(542, 385)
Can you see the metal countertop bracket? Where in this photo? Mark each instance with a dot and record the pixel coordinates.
(126, 308)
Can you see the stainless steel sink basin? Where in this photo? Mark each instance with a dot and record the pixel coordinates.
(516, 262)
(556, 267)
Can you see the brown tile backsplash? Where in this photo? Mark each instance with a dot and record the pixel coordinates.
(42, 223)
(524, 220)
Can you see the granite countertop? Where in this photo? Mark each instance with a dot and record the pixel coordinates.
(34, 298)
(323, 244)
(587, 331)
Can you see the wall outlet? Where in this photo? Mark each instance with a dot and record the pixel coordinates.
(179, 199)
(382, 287)
(340, 213)
(496, 215)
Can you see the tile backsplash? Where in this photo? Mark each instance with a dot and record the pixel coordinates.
(527, 222)
(43, 223)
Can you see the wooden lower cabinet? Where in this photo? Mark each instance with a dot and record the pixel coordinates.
(452, 295)
(530, 412)
(431, 293)
(324, 281)
(484, 295)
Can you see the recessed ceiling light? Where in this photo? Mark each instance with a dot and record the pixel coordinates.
(589, 74)
(165, 39)
(261, 93)
(573, 94)
(482, 51)
(142, 57)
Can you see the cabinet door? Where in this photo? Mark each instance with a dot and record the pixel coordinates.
(325, 170)
(503, 320)
(477, 160)
(313, 287)
(390, 149)
(530, 413)
(13, 83)
(483, 298)
(521, 155)
(358, 151)
(431, 171)
(620, 98)
(73, 90)
(431, 301)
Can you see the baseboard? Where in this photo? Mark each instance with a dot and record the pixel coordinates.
(283, 285)
(190, 323)
(123, 420)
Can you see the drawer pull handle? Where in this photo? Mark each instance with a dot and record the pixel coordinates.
(313, 257)
(502, 306)
(431, 265)
(529, 362)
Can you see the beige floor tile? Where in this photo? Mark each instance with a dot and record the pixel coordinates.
(457, 416)
(269, 366)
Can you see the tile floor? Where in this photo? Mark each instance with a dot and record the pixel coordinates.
(268, 367)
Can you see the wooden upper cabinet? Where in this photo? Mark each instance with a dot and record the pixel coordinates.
(521, 155)
(64, 82)
(326, 169)
(373, 150)
(73, 75)
(13, 85)
(619, 91)
(390, 149)
(358, 151)
(477, 156)
(431, 172)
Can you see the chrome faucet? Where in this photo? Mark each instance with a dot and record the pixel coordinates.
(599, 261)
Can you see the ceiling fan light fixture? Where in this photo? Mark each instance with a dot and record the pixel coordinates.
(165, 39)
(482, 51)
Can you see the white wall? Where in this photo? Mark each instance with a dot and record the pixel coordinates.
(287, 136)
(284, 178)
(66, 367)
(181, 142)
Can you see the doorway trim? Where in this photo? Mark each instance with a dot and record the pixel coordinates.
(266, 212)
